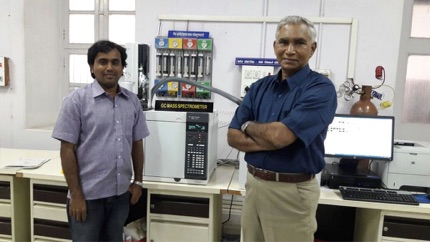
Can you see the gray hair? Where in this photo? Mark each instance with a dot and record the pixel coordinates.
(298, 20)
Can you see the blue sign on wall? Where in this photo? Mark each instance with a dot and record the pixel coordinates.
(188, 34)
(256, 61)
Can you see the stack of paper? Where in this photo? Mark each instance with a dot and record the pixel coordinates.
(27, 163)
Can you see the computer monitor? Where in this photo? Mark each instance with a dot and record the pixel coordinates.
(355, 137)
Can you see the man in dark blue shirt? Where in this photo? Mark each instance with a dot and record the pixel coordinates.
(281, 125)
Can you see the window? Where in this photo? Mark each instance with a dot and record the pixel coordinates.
(413, 78)
(88, 21)
(421, 19)
(417, 82)
(417, 89)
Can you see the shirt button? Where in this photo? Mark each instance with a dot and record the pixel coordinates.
(273, 114)
(119, 139)
(279, 95)
(119, 157)
(119, 174)
(117, 121)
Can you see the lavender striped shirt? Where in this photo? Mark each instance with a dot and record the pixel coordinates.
(103, 128)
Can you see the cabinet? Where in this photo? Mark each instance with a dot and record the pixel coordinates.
(15, 205)
(183, 216)
(186, 212)
(48, 211)
(380, 225)
(5, 211)
(14, 209)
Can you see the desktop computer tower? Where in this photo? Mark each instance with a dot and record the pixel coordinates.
(334, 176)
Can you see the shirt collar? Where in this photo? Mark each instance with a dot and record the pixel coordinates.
(98, 90)
(297, 78)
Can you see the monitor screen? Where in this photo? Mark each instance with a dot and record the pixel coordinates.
(360, 137)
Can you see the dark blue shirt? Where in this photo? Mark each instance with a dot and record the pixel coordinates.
(306, 103)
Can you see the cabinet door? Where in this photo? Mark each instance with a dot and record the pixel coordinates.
(178, 232)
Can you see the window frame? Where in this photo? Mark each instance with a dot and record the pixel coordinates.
(101, 31)
(408, 46)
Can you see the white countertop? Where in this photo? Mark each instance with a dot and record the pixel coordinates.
(51, 170)
(224, 180)
(218, 183)
(8, 156)
(333, 197)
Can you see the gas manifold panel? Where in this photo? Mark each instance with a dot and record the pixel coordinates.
(186, 55)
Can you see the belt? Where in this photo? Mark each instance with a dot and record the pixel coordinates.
(279, 177)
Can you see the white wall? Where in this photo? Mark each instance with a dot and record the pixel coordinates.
(31, 37)
(379, 23)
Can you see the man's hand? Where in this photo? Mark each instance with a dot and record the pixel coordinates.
(78, 208)
(136, 192)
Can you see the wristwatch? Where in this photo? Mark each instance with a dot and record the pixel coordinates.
(244, 126)
(138, 183)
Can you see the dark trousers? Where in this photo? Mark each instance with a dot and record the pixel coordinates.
(105, 219)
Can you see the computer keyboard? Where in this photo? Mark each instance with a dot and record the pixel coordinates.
(377, 195)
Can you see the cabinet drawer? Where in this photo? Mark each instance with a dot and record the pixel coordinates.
(52, 229)
(4, 190)
(49, 193)
(38, 238)
(406, 228)
(50, 212)
(178, 232)
(179, 205)
(5, 209)
(5, 238)
(5, 226)
(406, 163)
